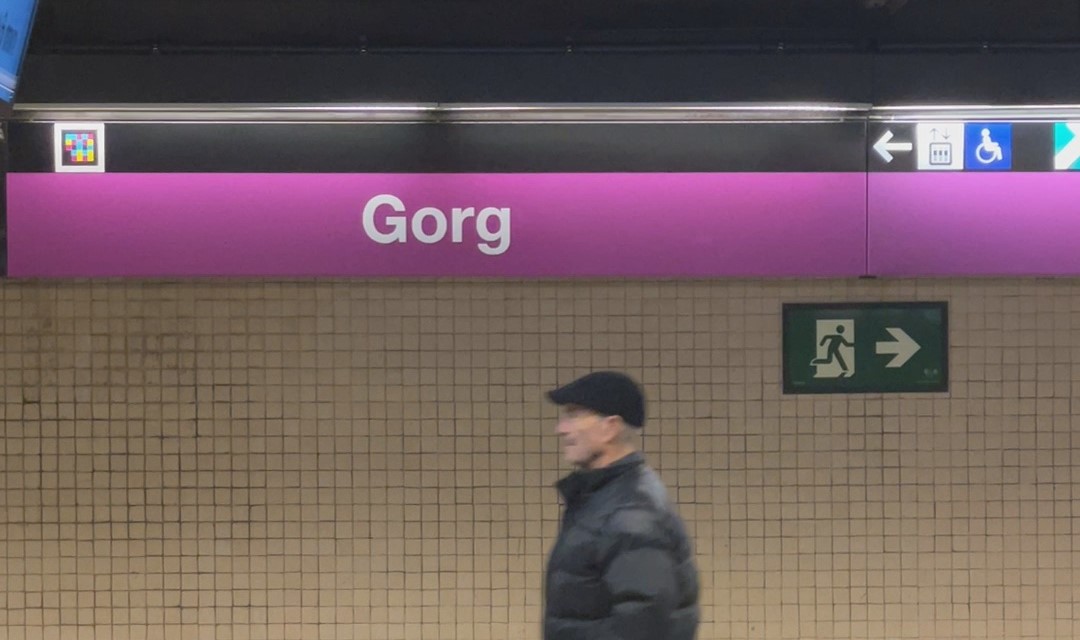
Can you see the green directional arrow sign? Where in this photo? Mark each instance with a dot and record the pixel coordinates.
(865, 347)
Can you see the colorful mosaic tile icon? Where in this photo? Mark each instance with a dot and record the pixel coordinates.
(80, 148)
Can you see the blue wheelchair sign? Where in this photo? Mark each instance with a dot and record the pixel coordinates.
(988, 146)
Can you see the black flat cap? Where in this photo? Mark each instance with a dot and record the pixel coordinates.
(608, 393)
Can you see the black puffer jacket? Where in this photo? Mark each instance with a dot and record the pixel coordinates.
(622, 567)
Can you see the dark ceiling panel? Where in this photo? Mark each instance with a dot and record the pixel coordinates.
(335, 24)
(992, 21)
(346, 24)
(446, 77)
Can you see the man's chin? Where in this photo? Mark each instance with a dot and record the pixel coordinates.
(580, 462)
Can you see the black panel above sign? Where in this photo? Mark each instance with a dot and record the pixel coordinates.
(488, 148)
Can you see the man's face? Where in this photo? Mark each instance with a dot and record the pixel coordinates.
(584, 434)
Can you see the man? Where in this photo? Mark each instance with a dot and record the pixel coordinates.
(622, 567)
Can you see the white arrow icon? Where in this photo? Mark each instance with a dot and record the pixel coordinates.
(901, 348)
(883, 146)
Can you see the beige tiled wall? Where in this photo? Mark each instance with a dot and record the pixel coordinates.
(354, 460)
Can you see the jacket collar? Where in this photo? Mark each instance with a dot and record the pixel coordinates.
(581, 483)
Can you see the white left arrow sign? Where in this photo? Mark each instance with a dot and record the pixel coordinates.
(885, 145)
(902, 347)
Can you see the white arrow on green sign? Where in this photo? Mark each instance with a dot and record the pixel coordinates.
(903, 347)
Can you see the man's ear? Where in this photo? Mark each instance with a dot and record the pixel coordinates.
(613, 427)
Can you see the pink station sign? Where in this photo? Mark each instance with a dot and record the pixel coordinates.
(520, 225)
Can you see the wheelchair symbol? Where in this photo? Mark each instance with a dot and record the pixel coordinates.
(988, 151)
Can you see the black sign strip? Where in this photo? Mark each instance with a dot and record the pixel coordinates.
(451, 148)
(1032, 147)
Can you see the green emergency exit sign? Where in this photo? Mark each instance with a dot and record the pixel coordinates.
(866, 347)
